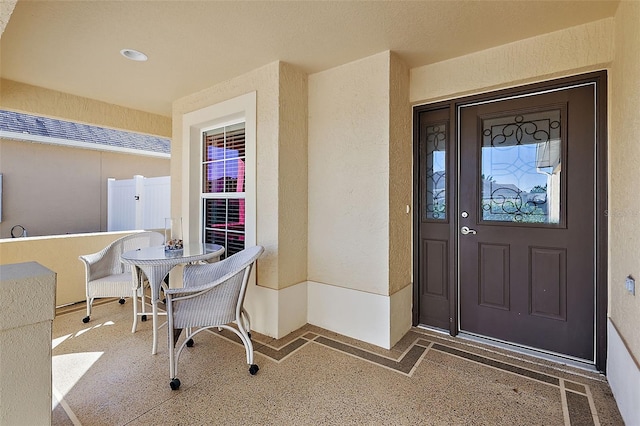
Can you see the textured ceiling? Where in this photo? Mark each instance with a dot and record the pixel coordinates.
(73, 46)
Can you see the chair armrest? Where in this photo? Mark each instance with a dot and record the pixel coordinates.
(200, 277)
(192, 289)
(90, 259)
(103, 263)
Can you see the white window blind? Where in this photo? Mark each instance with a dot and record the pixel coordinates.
(223, 186)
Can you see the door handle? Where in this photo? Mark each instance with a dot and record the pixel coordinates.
(465, 230)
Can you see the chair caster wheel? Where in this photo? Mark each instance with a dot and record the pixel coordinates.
(121, 301)
(175, 384)
(190, 343)
(85, 319)
(253, 369)
(144, 318)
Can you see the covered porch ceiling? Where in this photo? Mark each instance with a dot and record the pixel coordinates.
(74, 46)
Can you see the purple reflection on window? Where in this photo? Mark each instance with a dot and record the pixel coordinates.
(222, 170)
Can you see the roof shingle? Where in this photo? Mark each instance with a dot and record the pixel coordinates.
(15, 122)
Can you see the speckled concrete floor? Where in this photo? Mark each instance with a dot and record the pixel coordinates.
(105, 375)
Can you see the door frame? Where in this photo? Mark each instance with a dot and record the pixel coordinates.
(599, 78)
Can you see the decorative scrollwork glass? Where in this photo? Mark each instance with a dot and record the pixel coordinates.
(521, 165)
(434, 163)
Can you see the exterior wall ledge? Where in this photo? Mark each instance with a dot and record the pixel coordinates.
(27, 309)
(27, 294)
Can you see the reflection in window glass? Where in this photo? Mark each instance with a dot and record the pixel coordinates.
(223, 182)
(434, 153)
(521, 168)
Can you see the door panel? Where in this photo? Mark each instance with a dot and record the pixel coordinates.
(494, 276)
(527, 185)
(433, 248)
(549, 283)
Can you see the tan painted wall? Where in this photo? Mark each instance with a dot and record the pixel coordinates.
(21, 97)
(349, 175)
(6, 9)
(26, 317)
(70, 184)
(60, 254)
(400, 200)
(292, 177)
(624, 215)
(54, 190)
(281, 133)
(571, 51)
(400, 177)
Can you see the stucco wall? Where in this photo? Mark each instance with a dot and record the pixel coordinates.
(400, 200)
(571, 51)
(53, 190)
(624, 215)
(281, 133)
(349, 175)
(292, 176)
(59, 254)
(69, 184)
(39, 101)
(6, 9)
(400, 174)
(26, 316)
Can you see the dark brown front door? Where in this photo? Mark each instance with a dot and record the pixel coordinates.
(433, 134)
(526, 229)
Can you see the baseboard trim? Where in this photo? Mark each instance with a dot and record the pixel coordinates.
(623, 374)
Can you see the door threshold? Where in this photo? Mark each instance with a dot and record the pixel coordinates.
(532, 352)
(514, 349)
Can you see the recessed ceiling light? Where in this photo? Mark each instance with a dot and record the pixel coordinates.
(134, 55)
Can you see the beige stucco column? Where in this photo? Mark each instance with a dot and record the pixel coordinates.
(27, 308)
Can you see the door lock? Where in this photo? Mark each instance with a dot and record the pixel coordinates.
(465, 230)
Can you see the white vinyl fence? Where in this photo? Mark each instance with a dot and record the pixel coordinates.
(138, 203)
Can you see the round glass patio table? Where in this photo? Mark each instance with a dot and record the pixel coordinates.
(156, 262)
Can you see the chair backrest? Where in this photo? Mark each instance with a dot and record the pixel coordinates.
(231, 276)
(238, 261)
(107, 261)
(136, 241)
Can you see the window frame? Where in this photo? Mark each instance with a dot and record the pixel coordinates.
(204, 196)
(241, 108)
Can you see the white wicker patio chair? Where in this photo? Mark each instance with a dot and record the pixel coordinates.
(212, 296)
(107, 276)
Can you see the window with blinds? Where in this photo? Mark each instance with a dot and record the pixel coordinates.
(223, 183)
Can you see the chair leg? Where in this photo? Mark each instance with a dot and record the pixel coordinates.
(189, 341)
(89, 303)
(248, 346)
(135, 310)
(174, 382)
(246, 340)
(253, 369)
(246, 321)
(172, 355)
